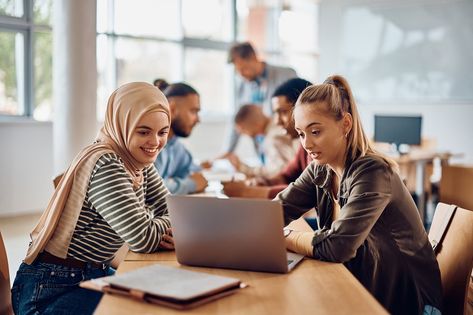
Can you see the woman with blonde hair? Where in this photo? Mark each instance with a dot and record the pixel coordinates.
(367, 218)
(110, 195)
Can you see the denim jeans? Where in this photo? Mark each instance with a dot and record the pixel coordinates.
(43, 288)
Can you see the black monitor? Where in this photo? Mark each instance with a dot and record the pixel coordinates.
(398, 129)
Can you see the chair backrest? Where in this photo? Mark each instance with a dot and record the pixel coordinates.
(5, 295)
(454, 255)
(456, 185)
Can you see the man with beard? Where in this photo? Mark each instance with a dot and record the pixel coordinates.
(175, 163)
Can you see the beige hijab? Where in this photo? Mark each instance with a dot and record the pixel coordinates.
(125, 108)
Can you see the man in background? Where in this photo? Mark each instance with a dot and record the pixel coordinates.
(278, 148)
(257, 81)
(175, 163)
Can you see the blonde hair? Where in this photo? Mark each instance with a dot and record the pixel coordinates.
(336, 94)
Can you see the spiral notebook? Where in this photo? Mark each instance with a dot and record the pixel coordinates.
(167, 286)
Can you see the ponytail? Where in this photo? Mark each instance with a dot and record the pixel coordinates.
(338, 98)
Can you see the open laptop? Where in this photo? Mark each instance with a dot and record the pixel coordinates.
(235, 233)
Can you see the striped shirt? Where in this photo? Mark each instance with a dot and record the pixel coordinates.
(114, 212)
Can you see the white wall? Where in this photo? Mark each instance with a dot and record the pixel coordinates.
(26, 166)
(346, 51)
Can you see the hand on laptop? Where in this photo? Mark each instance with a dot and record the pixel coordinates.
(167, 242)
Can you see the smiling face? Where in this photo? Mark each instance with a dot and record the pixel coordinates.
(321, 135)
(149, 137)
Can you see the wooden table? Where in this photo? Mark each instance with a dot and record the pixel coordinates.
(313, 287)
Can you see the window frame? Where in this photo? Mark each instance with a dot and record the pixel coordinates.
(27, 27)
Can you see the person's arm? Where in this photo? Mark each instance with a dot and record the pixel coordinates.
(369, 194)
(278, 152)
(111, 194)
(240, 189)
(299, 196)
(180, 186)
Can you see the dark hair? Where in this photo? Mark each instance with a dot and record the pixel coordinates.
(291, 89)
(241, 50)
(160, 84)
(179, 89)
(245, 112)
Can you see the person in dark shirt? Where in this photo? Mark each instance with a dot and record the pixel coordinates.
(367, 218)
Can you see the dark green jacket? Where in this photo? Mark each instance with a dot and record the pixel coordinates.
(378, 236)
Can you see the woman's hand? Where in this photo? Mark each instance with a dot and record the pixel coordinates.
(300, 243)
(167, 242)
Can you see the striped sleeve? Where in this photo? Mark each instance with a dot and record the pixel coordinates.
(156, 193)
(111, 194)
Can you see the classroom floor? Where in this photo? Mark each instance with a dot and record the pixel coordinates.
(15, 232)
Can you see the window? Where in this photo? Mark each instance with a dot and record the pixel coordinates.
(148, 39)
(26, 58)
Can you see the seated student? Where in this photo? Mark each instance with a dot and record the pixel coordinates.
(175, 163)
(110, 195)
(283, 100)
(276, 147)
(367, 217)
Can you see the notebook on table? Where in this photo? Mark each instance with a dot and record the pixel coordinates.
(235, 233)
(167, 286)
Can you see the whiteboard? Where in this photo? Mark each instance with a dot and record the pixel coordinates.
(407, 51)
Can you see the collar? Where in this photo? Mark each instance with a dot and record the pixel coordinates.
(172, 140)
(324, 177)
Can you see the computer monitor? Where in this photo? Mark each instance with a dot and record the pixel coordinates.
(398, 129)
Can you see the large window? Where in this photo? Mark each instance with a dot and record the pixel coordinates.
(26, 58)
(175, 40)
(141, 40)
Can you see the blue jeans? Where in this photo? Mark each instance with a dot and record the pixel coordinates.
(43, 288)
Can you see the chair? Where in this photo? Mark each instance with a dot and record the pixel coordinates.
(5, 294)
(454, 254)
(456, 185)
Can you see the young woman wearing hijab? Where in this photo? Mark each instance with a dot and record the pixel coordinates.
(110, 195)
(368, 220)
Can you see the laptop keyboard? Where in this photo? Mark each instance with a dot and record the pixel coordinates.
(289, 261)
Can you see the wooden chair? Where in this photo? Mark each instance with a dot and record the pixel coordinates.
(454, 254)
(5, 294)
(456, 185)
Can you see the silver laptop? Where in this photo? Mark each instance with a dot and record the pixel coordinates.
(235, 233)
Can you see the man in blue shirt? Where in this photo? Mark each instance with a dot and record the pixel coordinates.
(175, 163)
